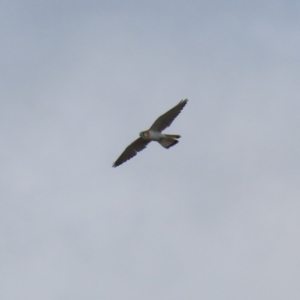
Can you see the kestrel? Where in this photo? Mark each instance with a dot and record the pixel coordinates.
(154, 134)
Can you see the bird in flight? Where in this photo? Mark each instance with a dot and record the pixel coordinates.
(154, 134)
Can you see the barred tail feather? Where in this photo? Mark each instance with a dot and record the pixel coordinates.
(167, 143)
(174, 136)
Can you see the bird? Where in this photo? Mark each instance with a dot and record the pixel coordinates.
(154, 133)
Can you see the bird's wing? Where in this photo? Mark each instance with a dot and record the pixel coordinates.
(131, 151)
(167, 118)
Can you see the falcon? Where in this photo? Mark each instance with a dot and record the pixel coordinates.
(154, 133)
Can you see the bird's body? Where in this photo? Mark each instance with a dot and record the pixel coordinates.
(154, 134)
(151, 135)
(166, 140)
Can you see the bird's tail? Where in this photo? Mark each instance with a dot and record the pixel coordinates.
(169, 140)
(174, 136)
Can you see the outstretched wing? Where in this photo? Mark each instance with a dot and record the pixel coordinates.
(131, 151)
(167, 118)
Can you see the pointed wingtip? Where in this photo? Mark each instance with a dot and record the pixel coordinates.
(184, 101)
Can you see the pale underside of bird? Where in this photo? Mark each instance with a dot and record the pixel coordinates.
(154, 133)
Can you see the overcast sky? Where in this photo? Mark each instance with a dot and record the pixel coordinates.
(216, 216)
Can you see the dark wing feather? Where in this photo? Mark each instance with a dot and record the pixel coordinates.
(131, 151)
(167, 118)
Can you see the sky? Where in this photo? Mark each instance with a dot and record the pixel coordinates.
(214, 217)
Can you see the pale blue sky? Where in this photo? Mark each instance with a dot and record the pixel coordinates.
(216, 216)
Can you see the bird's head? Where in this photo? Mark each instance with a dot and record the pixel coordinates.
(144, 134)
